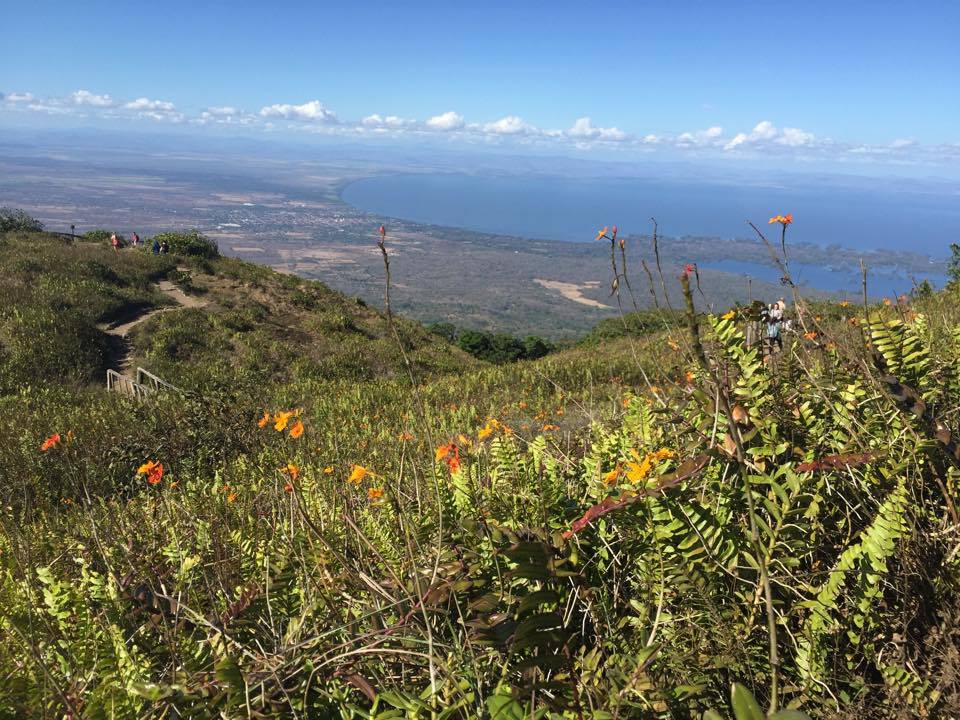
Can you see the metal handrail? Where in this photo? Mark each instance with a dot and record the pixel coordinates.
(151, 379)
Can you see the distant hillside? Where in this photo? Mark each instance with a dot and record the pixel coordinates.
(257, 325)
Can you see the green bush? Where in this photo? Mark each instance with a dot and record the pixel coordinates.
(192, 243)
(102, 236)
(12, 219)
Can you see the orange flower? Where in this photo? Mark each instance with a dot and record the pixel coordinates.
(809, 335)
(673, 345)
(262, 422)
(288, 487)
(297, 429)
(374, 493)
(282, 419)
(611, 477)
(50, 442)
(357, 474)
(405, 436)
(689, 376)
(292, 470)
(450, 454)
(888, 302)
(601, 234)
(231, 497)
(844, 303)
(153, 471)
(782, 219)
(550, 428)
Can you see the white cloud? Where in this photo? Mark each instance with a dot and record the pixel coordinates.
(85, 97)
(765, 132)
(446, 122)
(18, 97)
(509, 125)
(313, 111)
(584, 129)
(389, 122)
(700, 138)
(49, 108)
(147, 104)
(222, 111)
(795, 137)
(160, 116)
(902, 143)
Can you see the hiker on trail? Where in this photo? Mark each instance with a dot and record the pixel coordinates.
(136, 239)
(164, 247)
(156, 247)
(775, 324)
(115, 242)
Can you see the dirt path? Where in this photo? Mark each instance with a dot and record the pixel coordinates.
(121, 352)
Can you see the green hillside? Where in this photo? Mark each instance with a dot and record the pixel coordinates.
(339, 516)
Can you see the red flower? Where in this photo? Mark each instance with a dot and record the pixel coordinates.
(50, 442)
(688, 268)
(383, 231)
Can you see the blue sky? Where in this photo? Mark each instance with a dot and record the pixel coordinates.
(875, 78)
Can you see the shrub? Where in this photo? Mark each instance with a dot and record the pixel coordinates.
(192, 243)
(12, 219)
(101, 236)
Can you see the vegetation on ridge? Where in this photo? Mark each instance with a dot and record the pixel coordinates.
(669, 523)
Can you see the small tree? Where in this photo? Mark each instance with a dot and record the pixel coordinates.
(953, 265)
(191, 242)
(14, 219)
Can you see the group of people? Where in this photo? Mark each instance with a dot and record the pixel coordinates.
(159, 247)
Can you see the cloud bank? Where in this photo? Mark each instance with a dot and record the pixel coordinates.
(313, 116)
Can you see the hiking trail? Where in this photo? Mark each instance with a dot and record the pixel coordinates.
(121, 355)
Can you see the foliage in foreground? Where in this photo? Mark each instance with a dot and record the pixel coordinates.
(536, 539)
(665, 525)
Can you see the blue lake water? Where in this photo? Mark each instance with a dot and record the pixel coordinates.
(872, 214)
(569, 209)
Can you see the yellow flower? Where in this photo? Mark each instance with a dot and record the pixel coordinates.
(730, 315)
(231, 497)
(357, 474)
(611, 477)
(484, 432)
(292, 470)
(673, 345)
(844, 303)
(281, 420)
(297, 429)
(328, 470)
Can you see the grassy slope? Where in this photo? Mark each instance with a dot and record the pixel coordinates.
(258, 326)
(315, 596)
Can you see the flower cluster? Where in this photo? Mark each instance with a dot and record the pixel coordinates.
(281, 421)
(639, 468)
(153, 470)
(450, 455)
